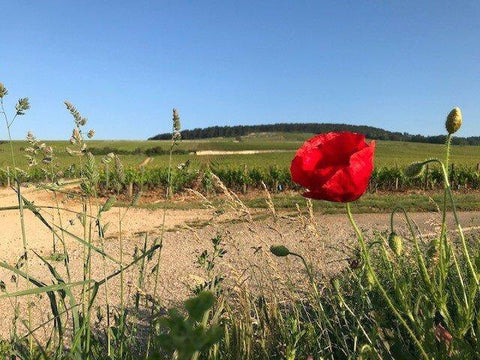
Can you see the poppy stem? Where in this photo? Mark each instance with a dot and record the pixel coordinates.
(377, 282)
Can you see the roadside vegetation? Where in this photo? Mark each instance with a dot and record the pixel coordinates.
(402, 295)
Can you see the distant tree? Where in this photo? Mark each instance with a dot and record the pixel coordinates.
(313, 128)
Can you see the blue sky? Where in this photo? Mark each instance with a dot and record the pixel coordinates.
(397, 65)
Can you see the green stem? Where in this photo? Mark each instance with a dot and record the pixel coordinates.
(418, 252)
(380, 286)
(443, 232)
(22, 218)
(313, 283)
(459, 227)
(162, 233)
(122, 301)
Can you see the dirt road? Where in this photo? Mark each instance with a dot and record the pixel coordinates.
(326, 240)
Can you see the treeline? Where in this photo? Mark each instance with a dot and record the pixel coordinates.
(314, 128)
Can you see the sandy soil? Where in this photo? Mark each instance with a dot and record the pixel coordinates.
(326, 240)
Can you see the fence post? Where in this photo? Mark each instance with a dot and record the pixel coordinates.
(8, 176)
(396, 183)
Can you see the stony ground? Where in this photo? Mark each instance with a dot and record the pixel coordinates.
(326, 240)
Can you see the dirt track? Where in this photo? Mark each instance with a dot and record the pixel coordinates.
(326, 240)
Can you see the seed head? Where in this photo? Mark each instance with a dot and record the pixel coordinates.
(30, 137)
(177, 135)
(79, 120)
(119, 169)
(414, 170)
(3, 90)
(108, 158)
(22, 106)
(176, 121)
(108, 204)
(76, 138)
(396, 243)
(48, 150)
(91, 133)
(279, 250)
(454, 120)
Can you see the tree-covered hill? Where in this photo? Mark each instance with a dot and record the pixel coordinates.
(313, 128)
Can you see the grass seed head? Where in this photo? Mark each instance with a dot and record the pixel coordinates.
(176, 121)
(119, 169)
(3, 91)
(22, 105)
(79, 120)
(76, 137)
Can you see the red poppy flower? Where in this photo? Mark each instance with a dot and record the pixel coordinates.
(335, 166)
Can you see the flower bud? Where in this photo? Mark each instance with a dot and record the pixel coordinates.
(279, 250)
(454, 120)
(396, 244)
(414, 169)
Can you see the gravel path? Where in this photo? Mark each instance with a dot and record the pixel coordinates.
(326, 240)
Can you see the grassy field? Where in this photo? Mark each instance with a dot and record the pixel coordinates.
(389, 153)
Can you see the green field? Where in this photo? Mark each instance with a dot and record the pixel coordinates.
(389, 153)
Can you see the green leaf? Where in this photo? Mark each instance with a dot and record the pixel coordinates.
(199, 305)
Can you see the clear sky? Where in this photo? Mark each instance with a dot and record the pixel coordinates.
(398, 65)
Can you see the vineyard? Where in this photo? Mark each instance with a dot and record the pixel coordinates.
(145, 164)
(116, 178)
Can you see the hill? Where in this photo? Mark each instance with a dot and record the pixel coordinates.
(313, 128)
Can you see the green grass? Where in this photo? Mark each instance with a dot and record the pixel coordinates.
(368, 203)
(389, 153)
